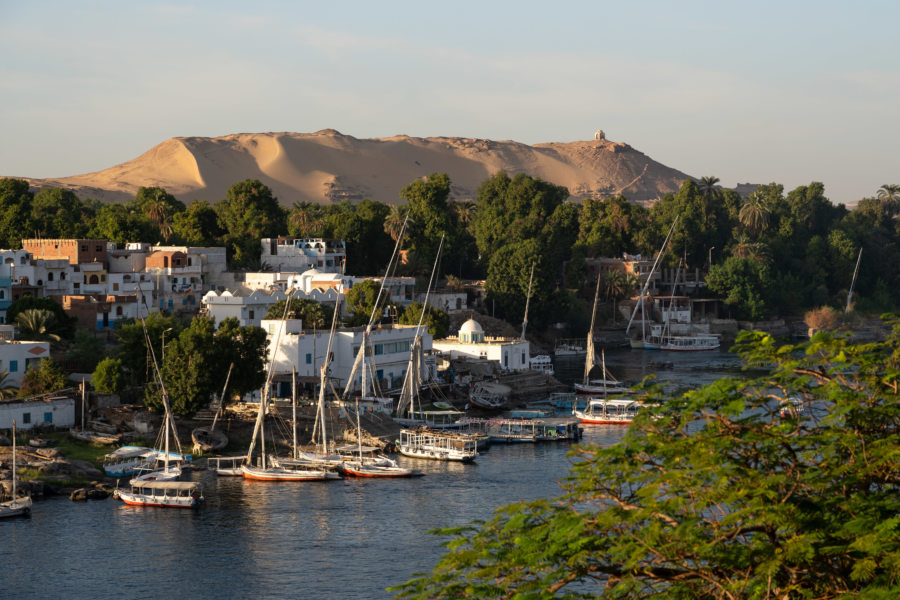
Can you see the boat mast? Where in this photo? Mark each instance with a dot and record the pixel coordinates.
(589, 345)
(320, 412)
(650, 276)
(294, 408)
(853, 281)
(14, 462)
(83, 403)
(527, 301)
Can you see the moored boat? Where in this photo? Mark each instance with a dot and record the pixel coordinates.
(164, 494)
(437, 445)
(608, 411)
(227, 466)
(18, 505)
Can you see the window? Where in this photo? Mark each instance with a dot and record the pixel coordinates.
(13, 366)
(48, 417)
(252, 314)
(2, 294)
(308, 358)
(115, 287)
(22, 260)
(26, 417)
(523, 358)
(50, 276)
(99, 248)
(118, 311)
(62, 276)
(76, 285)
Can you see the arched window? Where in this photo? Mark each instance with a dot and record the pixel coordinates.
(93, 279)
(50, 276)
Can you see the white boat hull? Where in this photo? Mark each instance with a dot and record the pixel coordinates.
(282, 474)
(19, 507)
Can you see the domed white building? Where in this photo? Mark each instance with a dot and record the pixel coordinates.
(470, 342)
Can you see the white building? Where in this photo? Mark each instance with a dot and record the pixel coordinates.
(248, 307)
(298, 254)
(305, 351)
(16, 357)
(51, 411)
(510, 353)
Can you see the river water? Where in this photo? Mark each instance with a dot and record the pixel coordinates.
(350, 538)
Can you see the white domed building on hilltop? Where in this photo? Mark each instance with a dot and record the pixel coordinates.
(510, 353)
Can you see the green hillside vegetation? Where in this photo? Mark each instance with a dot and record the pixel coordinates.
(769, 254)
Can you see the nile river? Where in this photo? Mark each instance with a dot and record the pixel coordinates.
(340, 539)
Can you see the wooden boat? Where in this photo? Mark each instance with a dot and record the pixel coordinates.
(437, 445)
(37, 442)
(267, 468)
(489, 394)
(207, 439)
(130, 460)
(17, 506)
(164, 494)
(608, 411)
(355, 468)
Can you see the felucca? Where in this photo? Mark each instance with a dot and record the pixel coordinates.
(18, 506)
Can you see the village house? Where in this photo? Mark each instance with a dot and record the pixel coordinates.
(50, 410)
(511, 354)
(16, 356)
(300, 254)
(249, 307)
(304, 351)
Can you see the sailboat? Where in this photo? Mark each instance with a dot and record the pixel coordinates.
(642, 342)
(268, 468)
(662, 338)
(17, 506)
(606, 384)
(207, 439)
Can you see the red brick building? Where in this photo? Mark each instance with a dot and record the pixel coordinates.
(77, 252)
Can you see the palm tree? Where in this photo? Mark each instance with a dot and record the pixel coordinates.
(393, 222)
(38, 324)
(615, 285)
(8, 389)
(708, 188)
(465, 210)
(305, 219)
(754, 214)
(890, 195)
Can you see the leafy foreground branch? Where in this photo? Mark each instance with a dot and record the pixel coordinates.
(714, 494)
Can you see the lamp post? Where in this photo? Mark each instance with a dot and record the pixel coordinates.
(710, 256)
(163, 358)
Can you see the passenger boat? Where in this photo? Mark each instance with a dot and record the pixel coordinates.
(227, 466)
(541, 363)
(437, 445)
(17, 506)
(514, 430)
(569, 348)
(165, 494)
(612, 411)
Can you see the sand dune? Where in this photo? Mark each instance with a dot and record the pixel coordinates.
(328, 166)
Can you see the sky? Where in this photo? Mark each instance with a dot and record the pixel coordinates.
(749, 92)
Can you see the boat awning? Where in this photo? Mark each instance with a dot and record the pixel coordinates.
(169, 485)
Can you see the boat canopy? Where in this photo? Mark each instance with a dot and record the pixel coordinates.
(169, 485)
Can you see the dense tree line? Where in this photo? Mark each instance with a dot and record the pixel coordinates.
(768, 253)
(716, 493)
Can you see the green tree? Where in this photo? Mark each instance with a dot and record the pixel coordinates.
(136, 360)
(306, 220)
(249, 213)
(428, 206)
(37, 324)
(86, 351)
(312, 313)
(121, 224)
(46, 377)
(361, 226)
(198, 225)
(59, 213)
(247, 349)
(361, 300)
(8, 388)
(189, 370)
(436, 320)
(64, 325)
(714, 495)
(742, 284)
(754, 214)
(890, 195)
(15, 212)
(108, 376)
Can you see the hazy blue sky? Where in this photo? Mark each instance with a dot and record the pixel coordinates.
(791, 92)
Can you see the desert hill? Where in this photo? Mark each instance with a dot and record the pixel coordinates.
(328, 166)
